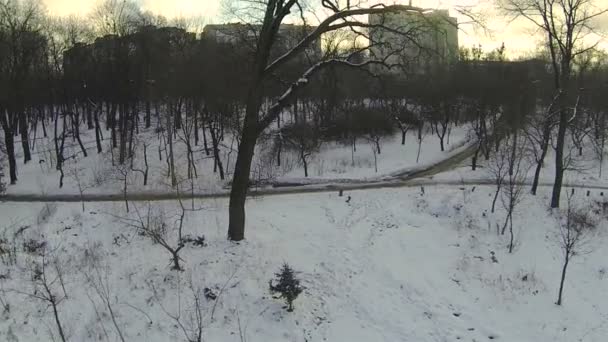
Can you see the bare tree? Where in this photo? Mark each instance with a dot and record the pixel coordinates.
(48, 287)
(575, 230)
(187, 130)
(146, 167)
(538, 132)
(405, 118)
(303, 138)
(21, 51)
(97, 276)
(123, 173)
(257, 118)
(76, 172)
(191, 321)
(153, 224)
(498, 169)
(421, 134)
(565, 25)
(118, 17)
(512, 191)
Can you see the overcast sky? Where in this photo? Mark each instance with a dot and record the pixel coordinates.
(518, 37)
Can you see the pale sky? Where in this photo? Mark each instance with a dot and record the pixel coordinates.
(518, 37)
(168, 8)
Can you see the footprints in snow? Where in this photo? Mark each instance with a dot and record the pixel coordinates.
(458, 315)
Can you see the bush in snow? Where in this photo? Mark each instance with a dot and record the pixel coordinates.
(287, 286)
(33, 246)
(196, 241)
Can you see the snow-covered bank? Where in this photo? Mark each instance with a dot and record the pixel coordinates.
(389, 265)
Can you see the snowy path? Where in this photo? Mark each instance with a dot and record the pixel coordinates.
(402, 178)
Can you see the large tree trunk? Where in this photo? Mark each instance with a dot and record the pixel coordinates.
(539, 166)
(541, 160)
(250, 131)
(240, 185)
(9, 142)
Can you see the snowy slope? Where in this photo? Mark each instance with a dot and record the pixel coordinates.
(334, 161)
(390, 265)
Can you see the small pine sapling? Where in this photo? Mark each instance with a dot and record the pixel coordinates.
(287, 285)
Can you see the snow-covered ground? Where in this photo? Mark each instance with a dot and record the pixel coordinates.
(581, 169)
(388, 265)
(334, 161)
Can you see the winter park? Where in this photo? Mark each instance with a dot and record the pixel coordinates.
(303, 170)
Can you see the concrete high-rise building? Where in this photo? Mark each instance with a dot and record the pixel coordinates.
(288, 36)
(417, 42)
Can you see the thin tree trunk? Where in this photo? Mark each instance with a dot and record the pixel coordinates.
(9, 141)
(171, 160)
(512, 236)
(25, 144)
(146, 164)
(112, 121)
(304, 163)
(495, 197)
(97, 132)
(196, 137)
(77, 134)
(57, 321)
(217, 164)
(43, 123)
(562, 280)
(89, 116)
(205, 145)
(148, 114)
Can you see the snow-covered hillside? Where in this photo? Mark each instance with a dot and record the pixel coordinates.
(97, 173)
(386, 265)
